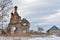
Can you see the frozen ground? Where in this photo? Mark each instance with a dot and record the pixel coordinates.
(31, 38)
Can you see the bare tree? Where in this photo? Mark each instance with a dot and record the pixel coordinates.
(40, 29)
(5, 7)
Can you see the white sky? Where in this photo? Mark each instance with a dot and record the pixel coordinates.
(39, 12)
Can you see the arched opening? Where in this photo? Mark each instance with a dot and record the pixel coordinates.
(13, 29)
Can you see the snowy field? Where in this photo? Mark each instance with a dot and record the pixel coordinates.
(31, 38)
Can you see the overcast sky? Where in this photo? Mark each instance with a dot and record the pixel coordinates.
(39, 12)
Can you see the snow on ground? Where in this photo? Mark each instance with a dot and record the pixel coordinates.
(53, 37)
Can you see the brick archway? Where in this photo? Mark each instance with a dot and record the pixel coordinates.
(11, 29)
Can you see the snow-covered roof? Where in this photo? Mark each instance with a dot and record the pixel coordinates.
(54, 28)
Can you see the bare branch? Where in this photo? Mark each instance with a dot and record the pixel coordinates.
(5, 7)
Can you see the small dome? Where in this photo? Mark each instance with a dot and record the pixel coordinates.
(24, 21)
(15, 7)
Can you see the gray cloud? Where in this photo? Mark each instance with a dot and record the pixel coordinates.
(40, 11)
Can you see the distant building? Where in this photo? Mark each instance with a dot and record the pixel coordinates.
(53, 31)
(17, 25)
